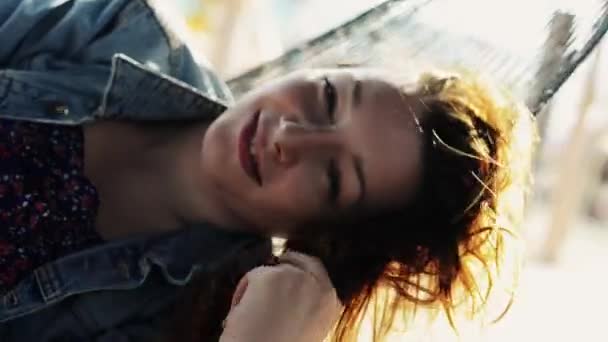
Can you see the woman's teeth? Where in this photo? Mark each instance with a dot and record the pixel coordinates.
(252, 147)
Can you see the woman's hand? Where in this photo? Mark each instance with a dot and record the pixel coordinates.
(293, 301)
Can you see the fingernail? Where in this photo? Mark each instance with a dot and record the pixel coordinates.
(239, 292)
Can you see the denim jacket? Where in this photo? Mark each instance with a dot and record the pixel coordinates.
(69, 62)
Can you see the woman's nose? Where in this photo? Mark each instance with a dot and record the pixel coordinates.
(293, 141)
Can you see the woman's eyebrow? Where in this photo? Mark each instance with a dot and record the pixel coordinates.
(357, 93)
(358, 165)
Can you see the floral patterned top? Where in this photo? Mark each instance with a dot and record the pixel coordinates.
(47, 205)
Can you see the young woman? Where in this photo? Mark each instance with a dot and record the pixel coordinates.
(124, 174)
(409, 187)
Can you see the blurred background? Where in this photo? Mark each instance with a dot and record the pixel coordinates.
(563, 291)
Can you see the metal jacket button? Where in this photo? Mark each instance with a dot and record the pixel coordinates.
(57, 108)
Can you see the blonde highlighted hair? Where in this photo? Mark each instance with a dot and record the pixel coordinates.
(485, 140)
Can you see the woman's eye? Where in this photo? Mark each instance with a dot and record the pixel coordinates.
(333, 177)
(330, 98)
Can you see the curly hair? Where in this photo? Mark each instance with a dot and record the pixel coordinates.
(441, 250)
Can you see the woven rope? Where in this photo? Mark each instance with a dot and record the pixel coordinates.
(531, 50)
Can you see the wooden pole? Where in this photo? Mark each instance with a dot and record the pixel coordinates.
(568, 191)
(224, 37)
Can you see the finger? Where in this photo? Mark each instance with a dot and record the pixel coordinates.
(262, 277)
(310, 264)
(239, 291)
(269, 274)
(314, 267)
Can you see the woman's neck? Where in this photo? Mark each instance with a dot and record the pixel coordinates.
(148, 177)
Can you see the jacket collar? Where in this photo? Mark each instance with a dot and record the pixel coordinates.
(137, 92)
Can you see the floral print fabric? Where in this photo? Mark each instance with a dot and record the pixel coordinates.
(47, 206)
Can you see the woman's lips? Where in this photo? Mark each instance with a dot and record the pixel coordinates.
(245, 147)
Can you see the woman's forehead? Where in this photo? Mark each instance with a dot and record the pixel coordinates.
(390, 143)
(396, 78)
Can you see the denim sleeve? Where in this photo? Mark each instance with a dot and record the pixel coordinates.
(51, 28)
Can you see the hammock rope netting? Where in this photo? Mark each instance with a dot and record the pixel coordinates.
(529, 47)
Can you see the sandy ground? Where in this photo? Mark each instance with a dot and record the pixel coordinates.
(565, 301)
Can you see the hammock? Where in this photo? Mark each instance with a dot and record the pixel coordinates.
(530, 47)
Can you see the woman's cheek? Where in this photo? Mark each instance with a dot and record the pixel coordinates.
(298, 194)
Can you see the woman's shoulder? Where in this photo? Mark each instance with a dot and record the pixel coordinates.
(67, 60)
(58, 35)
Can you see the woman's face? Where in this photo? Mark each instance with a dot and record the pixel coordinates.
(315, 145)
